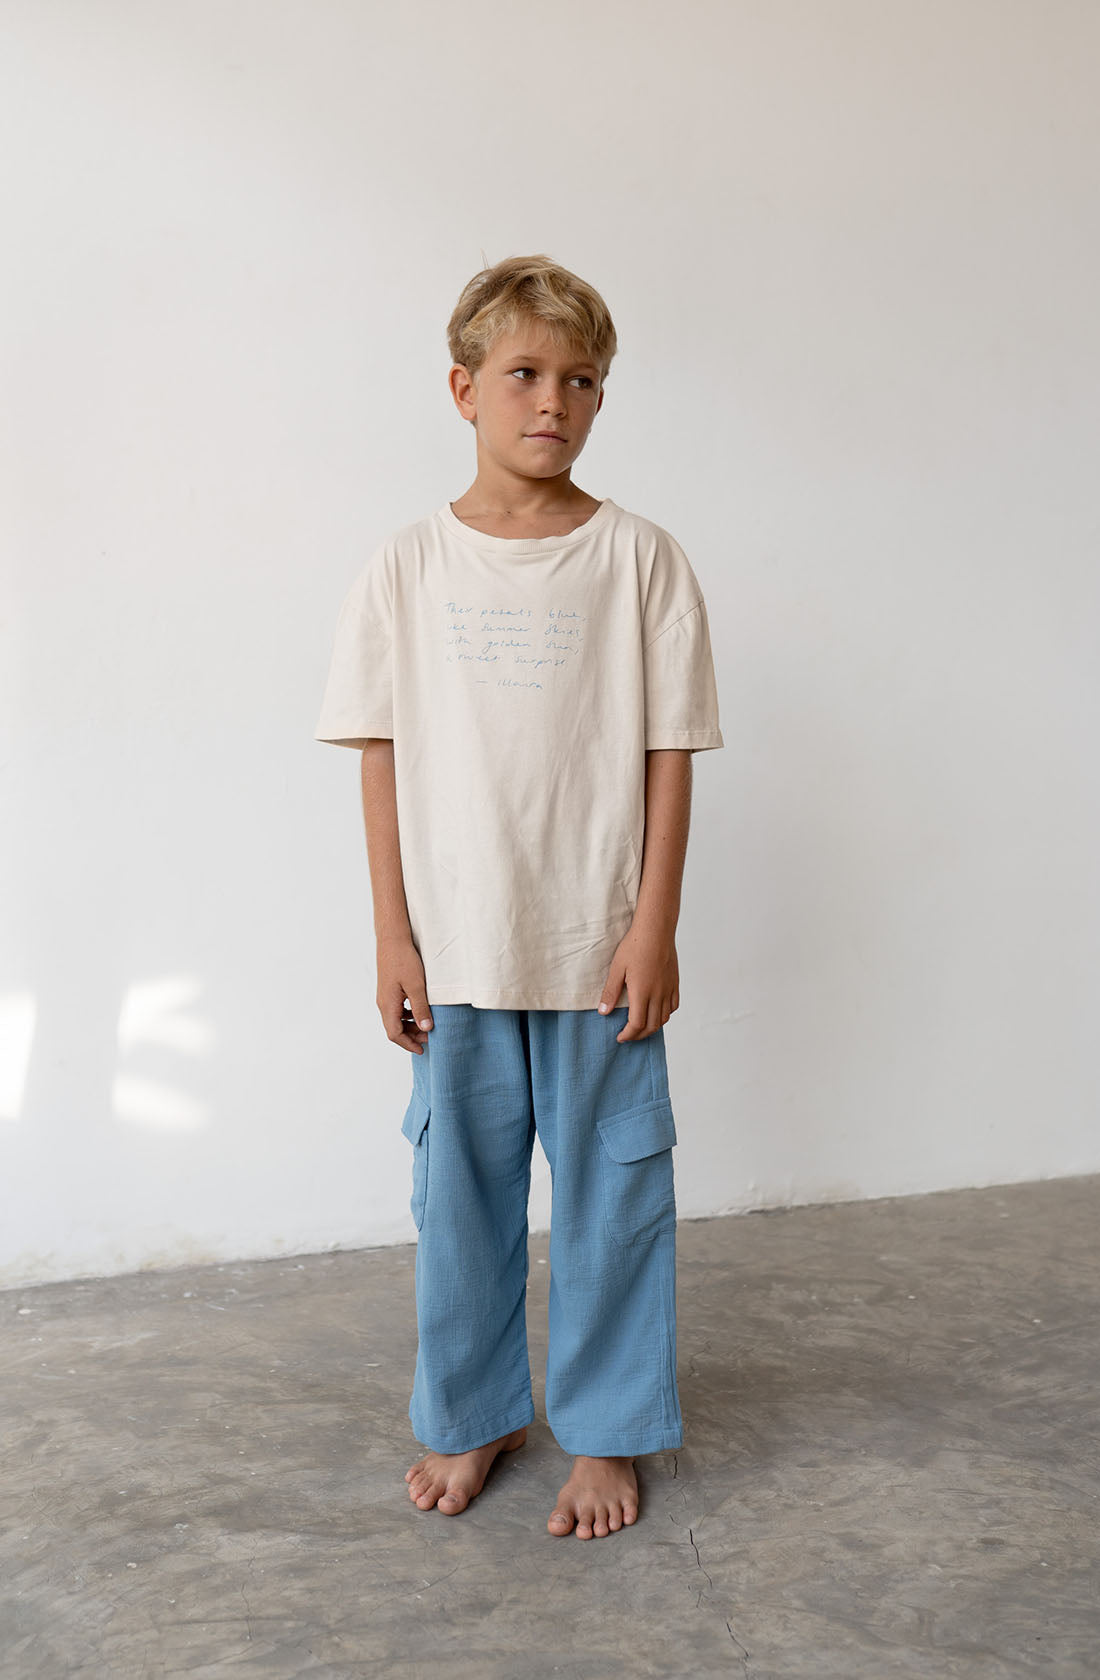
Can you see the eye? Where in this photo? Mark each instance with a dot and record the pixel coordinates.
(523, 370)
(584, 380)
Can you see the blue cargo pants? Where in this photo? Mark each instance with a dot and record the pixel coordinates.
(487, 1081)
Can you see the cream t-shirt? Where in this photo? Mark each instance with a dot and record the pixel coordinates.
(522, 680)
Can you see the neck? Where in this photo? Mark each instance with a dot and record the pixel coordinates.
(506, 495)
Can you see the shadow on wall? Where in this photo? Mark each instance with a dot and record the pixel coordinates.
(160, 1030)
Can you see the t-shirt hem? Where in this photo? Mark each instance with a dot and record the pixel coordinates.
(349, 739)
(515, 1000)
(697, 740)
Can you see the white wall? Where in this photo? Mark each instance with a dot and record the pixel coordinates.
(852, 252)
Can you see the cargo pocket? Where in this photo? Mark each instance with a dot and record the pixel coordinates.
(415, 1128)
(638, 1193)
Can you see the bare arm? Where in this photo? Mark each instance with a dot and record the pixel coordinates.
(400, 969)
(646, 956)
(667, 820)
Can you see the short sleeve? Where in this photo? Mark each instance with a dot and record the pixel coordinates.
(681, 695)
(358, 699)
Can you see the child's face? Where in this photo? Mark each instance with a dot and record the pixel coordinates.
(528, 385)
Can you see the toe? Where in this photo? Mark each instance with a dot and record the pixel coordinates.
(560, 1523)
(453, 1501)
(614, 1519)
(630, 1514)
(599, 1527)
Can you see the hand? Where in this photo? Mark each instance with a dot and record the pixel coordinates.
(645, 960)
(402, 996)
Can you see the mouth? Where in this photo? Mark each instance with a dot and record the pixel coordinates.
(548, 437)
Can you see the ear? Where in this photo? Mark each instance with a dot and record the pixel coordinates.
(463, 390)
(599, 405)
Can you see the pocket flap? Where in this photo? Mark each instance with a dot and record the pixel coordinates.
(639, 1132)
(416, 1118)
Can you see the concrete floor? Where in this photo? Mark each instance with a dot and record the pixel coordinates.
(890, 1468)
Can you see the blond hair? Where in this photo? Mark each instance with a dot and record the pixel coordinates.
(520, 289)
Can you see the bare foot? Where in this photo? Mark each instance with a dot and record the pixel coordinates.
(600, 1496)
(451, 1480)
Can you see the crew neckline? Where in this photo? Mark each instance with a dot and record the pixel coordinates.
(525, 545)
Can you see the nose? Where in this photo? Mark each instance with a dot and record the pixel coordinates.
(552, 398)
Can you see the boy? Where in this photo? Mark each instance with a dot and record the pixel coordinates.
(527, 673)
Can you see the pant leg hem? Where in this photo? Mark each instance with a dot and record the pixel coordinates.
(466, 1437)
(620, 1446)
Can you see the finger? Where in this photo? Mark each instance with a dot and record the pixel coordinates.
(635, 1025)
(400, 1028)
(421, 1011)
